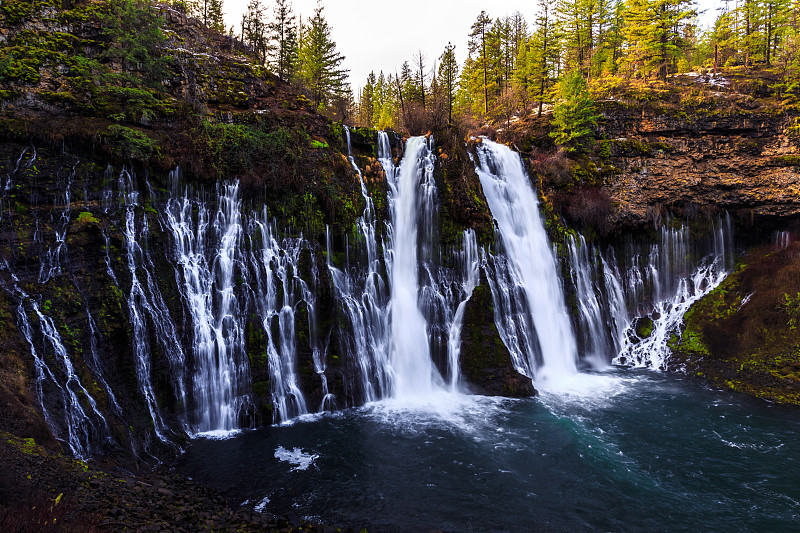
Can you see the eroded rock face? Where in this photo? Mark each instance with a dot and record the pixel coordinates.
(744, 164)
(485, 361)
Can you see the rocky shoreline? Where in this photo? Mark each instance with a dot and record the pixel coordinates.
(42, 490)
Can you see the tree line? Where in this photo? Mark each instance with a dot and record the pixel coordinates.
(298, 51)
(517, 66)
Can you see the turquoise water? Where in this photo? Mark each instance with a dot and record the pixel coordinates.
(618, 451)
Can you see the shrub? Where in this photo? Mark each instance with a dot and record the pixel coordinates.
(791, 306)
(554, 168)
(589, 208)
(128, 143)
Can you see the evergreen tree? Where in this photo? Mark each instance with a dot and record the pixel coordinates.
(575, 20)
(448, 76)
(283, 36)
(209, 12)
(386, 106)
(320, 62)
(615, 38)
(478, 41)
(575, 116)
(541, 55)
(134, 31)
(654, 33)
(366, 102)
(405, 86)
(254, 29)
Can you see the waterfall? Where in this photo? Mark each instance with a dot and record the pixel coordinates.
(82, 428)
(593, 314)
(364, 296)
(400, 321)
(411, 193)
(276, 267)
(51, 262)
(471, 264)
(221, 376)
(137, 304)
(781, 239)
(526, 284)
(677, 274)
(602, 316)
(93, 362)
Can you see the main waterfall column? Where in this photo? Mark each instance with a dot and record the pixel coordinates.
(414, 373)
(532, 265)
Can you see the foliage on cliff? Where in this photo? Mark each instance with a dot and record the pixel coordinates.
(743, 335)
(144, 85)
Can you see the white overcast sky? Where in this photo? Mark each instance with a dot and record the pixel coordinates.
(379, 35)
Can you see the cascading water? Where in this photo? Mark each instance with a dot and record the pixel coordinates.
(276, 266)
(364, 296)
(137, 303)
(397, 326)
(781, 239)
(78, 428)
(674, 284)
(411, 192)
(601, 313)
(471, 264)
(221, 376)
(526, 286)
(52, 260)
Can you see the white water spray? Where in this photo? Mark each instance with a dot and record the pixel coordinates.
(414, 373)
(532, 274)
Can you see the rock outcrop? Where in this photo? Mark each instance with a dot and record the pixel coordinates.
(485, 361)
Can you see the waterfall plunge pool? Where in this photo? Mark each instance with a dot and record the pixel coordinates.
(622, 450)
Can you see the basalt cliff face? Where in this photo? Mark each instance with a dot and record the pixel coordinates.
(742, 161)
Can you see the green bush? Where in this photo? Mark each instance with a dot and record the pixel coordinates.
(234, 149)
(132, 144)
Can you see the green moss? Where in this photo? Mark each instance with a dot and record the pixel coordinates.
(791, 306)
(787, 160)
(318, 144)
(234, 149)
(87, 218)
(603, 149)
(129, 143)
(27, 446)
(644, 327)
(6, 94)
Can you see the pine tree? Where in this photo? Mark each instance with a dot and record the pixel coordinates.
(654, 33)
(134, 31)
(542, 54)
(615, 38)
(320, 62)
(448, 76)
(283, 39)
(366, 102)
(208, 11)
(405, 86)
(254, 29)
(575, 116)
(478, 41)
